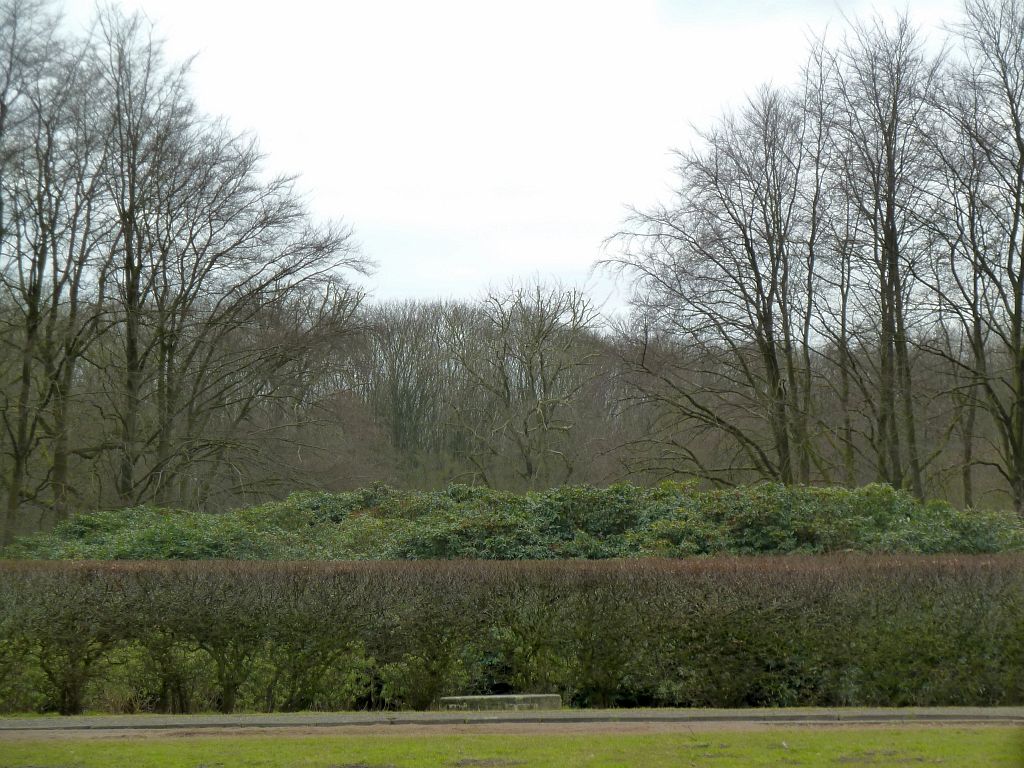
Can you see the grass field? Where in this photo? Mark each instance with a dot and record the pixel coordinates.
(963, 747)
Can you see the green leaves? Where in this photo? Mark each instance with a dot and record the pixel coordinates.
(839, 630)
(578, 522)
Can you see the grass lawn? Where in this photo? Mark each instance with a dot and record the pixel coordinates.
(963, 747)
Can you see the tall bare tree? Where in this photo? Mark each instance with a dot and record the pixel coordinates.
(725, 285)
(526, 360)
(977, 220)
(206, 250)
(51, 240)
(882, 84)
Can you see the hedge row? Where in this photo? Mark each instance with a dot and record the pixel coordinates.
(720, 632)
(671, 520)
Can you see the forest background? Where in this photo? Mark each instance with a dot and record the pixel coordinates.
(833, 295)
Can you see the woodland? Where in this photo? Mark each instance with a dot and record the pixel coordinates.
(832, 296)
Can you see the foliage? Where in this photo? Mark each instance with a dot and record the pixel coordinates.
(719, 632)
(671, 520)
(984, 747)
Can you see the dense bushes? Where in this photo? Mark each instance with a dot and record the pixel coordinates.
(841, 630)
(796, 630)
(671, 520)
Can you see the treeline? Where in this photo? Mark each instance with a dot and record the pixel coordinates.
(793, 631)
(834, 295)
(836, 292)
(570, 522)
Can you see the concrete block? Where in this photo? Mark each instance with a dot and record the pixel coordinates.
(509, 702)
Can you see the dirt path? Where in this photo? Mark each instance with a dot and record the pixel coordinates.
(519, 729)
(561, 722)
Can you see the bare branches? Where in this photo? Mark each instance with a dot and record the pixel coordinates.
(527, 357)
(829, 247)
(152, 278)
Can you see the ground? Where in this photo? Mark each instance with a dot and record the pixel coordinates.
(536, 745)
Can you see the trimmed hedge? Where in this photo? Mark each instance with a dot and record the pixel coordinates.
(721, 632)
(671, 520)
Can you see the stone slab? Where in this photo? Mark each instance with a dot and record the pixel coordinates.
(504, 703)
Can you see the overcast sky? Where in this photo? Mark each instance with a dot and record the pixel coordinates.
(472, 142)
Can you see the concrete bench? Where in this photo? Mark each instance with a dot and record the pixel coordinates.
(515, 702)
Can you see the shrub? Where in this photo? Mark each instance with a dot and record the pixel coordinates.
(580, 522)
(765, 631)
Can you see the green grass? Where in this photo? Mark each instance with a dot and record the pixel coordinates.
(810, 747)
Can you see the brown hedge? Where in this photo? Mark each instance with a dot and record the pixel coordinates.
(187, 636)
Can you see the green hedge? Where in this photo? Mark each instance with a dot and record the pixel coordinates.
(671, 520)
(720, 632)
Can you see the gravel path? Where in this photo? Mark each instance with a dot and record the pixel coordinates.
(563, 720)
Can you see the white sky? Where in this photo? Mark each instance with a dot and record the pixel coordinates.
(472, 142)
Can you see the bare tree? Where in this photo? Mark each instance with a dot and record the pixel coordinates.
(882, 82)
(725, 285)
(977, 222)
(406, 375)
(526, 360)
(206, 252)
(51, 192)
